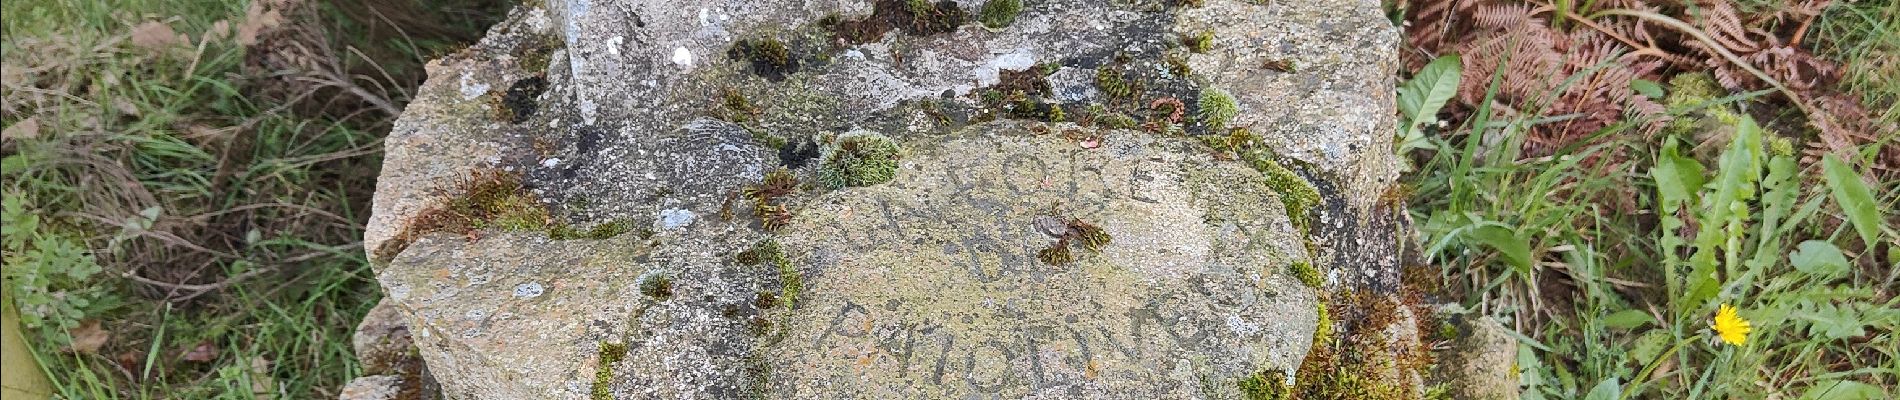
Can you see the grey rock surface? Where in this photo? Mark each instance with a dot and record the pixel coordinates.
(929, 286)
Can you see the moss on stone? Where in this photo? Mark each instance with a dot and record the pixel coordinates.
(997, 14)
(1306, 273)
(856, 160)
(1264, 385)
(1200, 42)
(1360, 360)
(609, 354)
(1298, 195)
(538, 51)
(1056, 254)
(768, 198)
(605, 230)
(1217, 108)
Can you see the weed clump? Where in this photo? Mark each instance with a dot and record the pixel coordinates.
(657, 284)
(997, 14)
(1217, 108)
(857, 160)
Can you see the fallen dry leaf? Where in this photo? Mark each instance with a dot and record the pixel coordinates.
(25, 129)
(156, 36)
(261, 383)
(205, 352)
(131, 360)
(89, 337)
(256, 19)
(219, 30)
(125, 107)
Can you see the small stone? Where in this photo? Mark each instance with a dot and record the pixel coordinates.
(1052, 226)
(675, 218)
(529, 290)
(683, 57)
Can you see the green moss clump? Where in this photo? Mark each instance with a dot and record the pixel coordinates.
(605, 230)
(766, 251)
(657, 284)
(1056, 114)
(1306, 273)
(767, 50)
(1200, 42)
(857, 160)
(1264, 385)
(1693, 90)
(791, 282)
(1217, 108)
(997, 14)
(1298, 195)
(610, 353)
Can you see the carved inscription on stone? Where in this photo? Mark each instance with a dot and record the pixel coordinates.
(930, 287)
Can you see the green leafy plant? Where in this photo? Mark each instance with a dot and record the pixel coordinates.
(52, 278)
(1421, 97)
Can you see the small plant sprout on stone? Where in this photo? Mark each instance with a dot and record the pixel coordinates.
(859, 159)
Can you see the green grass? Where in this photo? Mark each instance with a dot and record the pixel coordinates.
(1867, 35)
(1616, 270)
(186, 202)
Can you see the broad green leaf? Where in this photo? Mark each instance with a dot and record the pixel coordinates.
(1831, 322)
(1429, 89)
(1649, 346)
(1648, 88)
(1819, 258)
(1627, 319)
(1677, 177)
(1843, 390)
(1606, 390)
(1516, 250)
(1856, 200)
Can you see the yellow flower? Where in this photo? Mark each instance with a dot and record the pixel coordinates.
(1731, 327)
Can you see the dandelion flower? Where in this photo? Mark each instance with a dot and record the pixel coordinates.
(1731, 327)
